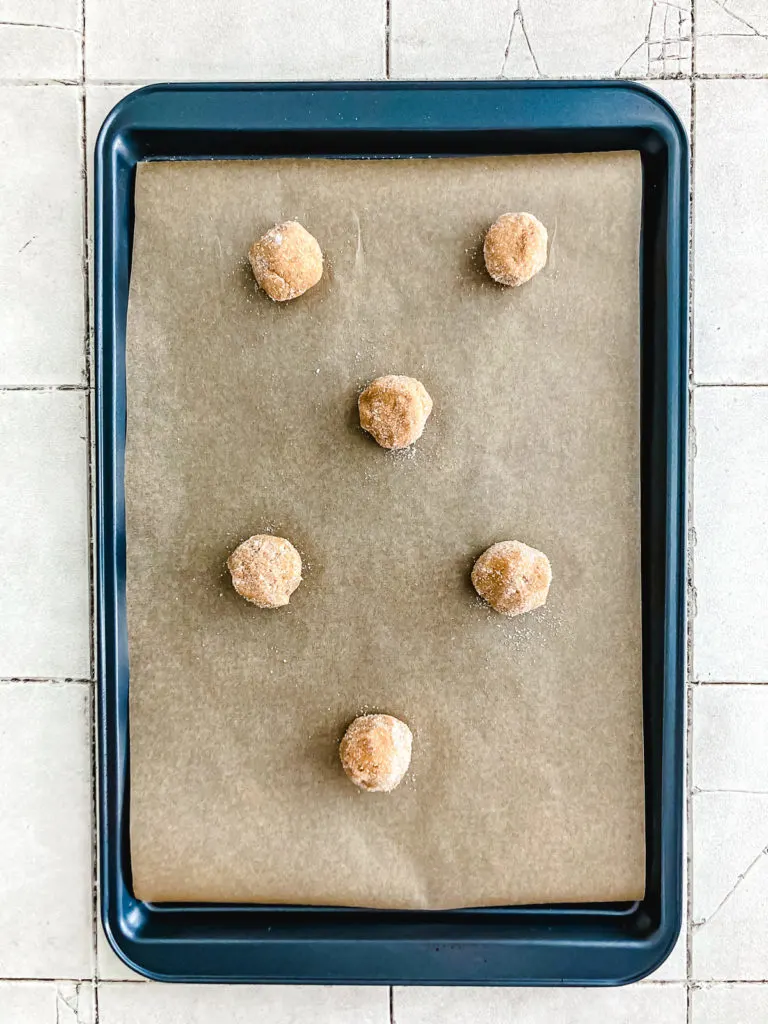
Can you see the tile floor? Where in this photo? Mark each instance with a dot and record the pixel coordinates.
(63, 64)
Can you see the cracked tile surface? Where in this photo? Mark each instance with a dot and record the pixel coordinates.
(40, 39)
(730, 829)
(730, 888)
(731, 37)
(453, 39)
(74, 1003)
(45, 1002)
(532, 38)
(666, 48)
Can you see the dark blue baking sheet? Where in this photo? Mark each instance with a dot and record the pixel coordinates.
(599, 944)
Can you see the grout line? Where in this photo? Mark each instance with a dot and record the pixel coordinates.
(732, 76)
(12, 979)
(88, 369)
(92, 814)
(691, 588)
(649, 982)
(728, 682)
(388, 39)
(93, 810)
(727, 384)
(391, 1004)
(25, 82)
(45, 387)
(691, 447)
(689, 852)
(52, 680)
(714, 982)
(643, 983)
(677, 76)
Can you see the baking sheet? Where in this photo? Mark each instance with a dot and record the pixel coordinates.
(527, 774)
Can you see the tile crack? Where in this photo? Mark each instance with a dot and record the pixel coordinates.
(645, 43)
(36, 24)
(737, 17)
(636, 50)
(517, 17)
(731, 891)
(388, 39)
(527, 39)
(70, 1002)
(665, 50)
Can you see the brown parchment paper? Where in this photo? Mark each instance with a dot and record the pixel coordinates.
(527, 772)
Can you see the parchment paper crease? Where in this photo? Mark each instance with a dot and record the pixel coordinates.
(527, 775)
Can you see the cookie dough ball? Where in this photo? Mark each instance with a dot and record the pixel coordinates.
(515, 248)
(394, 410)
(512, 577)
(265, 570)
(286, 261)
(376, 751)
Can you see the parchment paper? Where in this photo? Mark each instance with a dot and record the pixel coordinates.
(527, 774)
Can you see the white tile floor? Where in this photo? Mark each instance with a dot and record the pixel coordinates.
(41, 332)
(648, 1003)
(62, 1002)
(62, 65)
(45, 830)
(44, 604)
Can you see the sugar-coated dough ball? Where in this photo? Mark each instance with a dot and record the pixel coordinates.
(286, 261)
(515, 248)
(512, 577)
(394, 410)
(265, 570)
(376, 751)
